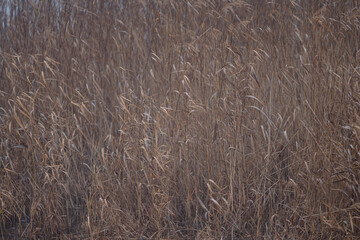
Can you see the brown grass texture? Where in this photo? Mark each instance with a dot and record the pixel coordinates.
(179, 119)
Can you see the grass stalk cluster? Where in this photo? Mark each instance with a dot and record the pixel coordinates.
(180, 119)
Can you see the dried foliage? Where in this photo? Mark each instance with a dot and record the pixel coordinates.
(180, 119)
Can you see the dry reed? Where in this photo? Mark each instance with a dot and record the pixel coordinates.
(180, 119)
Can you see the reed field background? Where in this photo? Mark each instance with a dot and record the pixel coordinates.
(179, 119)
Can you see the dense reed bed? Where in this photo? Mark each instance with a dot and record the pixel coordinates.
(179, 119)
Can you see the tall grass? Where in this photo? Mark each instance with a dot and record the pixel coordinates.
(180, 119)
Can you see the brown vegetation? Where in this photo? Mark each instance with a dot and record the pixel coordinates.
(180, 119)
